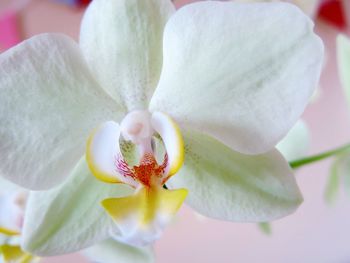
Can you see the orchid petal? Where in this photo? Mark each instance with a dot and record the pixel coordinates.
(228, 185)
(49, 102)
(69, 217)
(6, 186)
(245, 85)
(296, 142)
(124, 46)
(111, 251)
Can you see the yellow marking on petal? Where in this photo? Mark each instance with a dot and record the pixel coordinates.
(145, 205)
(103, 176)
(171, 200)
(15, 254)
(180, 157)
(171, 135)
(8, 232)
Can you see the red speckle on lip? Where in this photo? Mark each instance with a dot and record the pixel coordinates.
(123, 168)
(149, 172)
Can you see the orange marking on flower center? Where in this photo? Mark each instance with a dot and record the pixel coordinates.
(148, 173)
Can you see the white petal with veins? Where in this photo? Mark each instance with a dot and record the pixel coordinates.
(245, 85)
(122, 42)
(69, 217)
(228, 185)
(49, 102)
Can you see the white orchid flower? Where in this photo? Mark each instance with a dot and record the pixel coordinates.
(220, 83)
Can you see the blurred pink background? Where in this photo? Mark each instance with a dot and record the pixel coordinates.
(315, 233)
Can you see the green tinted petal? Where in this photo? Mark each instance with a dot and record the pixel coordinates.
(69, 218)
(231, 186)
(122, 42)
(49, 102)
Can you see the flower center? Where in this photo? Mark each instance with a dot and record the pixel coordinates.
(148, 173)
(143, 130)
(139, 139)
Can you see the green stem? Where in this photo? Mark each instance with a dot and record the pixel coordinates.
(319, 157)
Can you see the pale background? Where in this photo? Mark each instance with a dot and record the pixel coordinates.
(315, 233)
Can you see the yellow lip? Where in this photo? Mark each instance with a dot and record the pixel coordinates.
(16, 254)
(145, 205)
